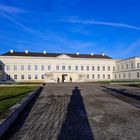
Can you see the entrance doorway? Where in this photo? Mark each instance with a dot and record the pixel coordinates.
(63, 77)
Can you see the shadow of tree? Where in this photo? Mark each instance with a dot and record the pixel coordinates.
(76, 125)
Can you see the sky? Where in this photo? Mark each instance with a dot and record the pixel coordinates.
(69, 26)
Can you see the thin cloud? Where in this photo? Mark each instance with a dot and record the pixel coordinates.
(93, 22)
(10, 9)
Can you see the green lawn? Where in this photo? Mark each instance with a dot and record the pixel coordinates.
(11, 95)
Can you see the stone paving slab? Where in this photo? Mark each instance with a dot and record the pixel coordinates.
(79, 111)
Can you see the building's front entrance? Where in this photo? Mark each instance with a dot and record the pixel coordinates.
(64, 78)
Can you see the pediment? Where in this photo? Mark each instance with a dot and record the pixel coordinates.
(63, 56)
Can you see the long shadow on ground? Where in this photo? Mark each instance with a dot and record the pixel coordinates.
(123, 95)
(18, 123)
(76, 125)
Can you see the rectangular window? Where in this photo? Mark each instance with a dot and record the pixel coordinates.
(138, 65)
(113, 68)
(22, 67)
(87, 76)
(108, 76)
(29, 67)
(49, 67)
(115, 76)
(8, 77)
(36, 67)
(138, 74)
(124, 75)
(98, 76)
(93, 68)
(57, 67)
(103, 68)
(98, 68)
(87, 68)
(93, 76)
(103, 76)
(122, 67)
(108, 68)
(15, 76)
(129, 75)
(126, 66)
(82, 68)
(15, 67)
(69, 67)
(36, 76)
(42, 67)
(63, 67)
(42, 76)
(22, 76)
(7, 67)
(0, 67)
(132, 65)
(29, 76)
(76, 67)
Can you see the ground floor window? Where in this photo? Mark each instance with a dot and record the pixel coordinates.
(42, 76)
(15, 76)
(103, 76)
(8, 77)
(93, 76)
(29, 76)
(36, 76)
(22, 76)
(138, 74)
(88, 76)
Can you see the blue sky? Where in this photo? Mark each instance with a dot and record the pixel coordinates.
(98, 26)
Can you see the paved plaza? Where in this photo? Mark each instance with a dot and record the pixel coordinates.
(81, 111)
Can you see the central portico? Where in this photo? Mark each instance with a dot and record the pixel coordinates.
(64, 77)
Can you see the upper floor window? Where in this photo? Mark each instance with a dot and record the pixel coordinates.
(122, 67)
(126, 66)
(63, 67)
(76, 67)
(138, 65)
(93, 68)
(29, 67)
(42, 67)
(15, 67)
(98, 68)
(49, 67)
(87, 68)
(36, 67)
(57, 67)
(22, 67)
(132, 65)
(108, 68)
(7, 67)
(69, 67)
(103, 68)
(82, 68)
(113, 68)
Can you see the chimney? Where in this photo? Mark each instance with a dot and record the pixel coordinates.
(26, 51)
(103, 54)
(77, 53)
(11, 51)
(44, 52)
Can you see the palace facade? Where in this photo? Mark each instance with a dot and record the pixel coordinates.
(63, 67)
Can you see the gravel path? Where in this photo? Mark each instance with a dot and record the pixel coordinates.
(81, 111)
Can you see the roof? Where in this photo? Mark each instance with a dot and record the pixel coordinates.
(41, 54)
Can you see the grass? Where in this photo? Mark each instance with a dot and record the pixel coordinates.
(11, 95)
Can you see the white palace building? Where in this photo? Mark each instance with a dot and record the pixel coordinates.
(63, 67)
